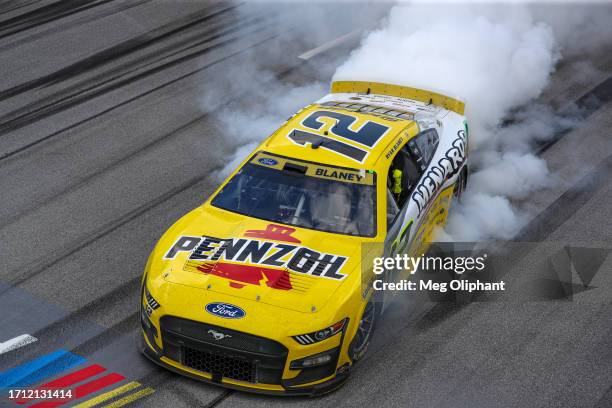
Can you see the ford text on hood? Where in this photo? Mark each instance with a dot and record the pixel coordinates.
(262, 287)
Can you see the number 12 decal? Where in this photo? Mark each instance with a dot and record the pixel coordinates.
(368, 135)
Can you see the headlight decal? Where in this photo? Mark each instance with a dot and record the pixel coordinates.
(151, 303)
(304, 339)
(320, 335)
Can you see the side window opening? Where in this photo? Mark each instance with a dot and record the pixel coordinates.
(392, 209)
(404, 173)
(407, 168)
(423, 147)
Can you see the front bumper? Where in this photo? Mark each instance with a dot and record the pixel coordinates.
(245, 362)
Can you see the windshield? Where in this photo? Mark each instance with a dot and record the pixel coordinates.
(302, 194)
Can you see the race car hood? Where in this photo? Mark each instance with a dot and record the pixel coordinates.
(227, 253)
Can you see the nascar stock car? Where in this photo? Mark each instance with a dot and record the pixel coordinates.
(262, 287)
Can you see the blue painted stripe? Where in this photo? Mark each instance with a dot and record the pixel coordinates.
(39, 369)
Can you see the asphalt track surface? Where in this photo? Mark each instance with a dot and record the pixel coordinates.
(108, 134)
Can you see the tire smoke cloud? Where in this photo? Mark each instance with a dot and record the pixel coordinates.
(497, 57)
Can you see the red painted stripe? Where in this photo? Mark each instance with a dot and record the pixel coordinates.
(68, 380)
(83, 390)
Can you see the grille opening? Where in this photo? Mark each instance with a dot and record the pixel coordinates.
(219, 365)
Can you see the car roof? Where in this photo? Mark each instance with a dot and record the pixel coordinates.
(392, 124)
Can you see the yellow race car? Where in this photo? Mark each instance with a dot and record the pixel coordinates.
(267, 287)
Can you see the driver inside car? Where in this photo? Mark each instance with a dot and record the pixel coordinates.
(331, 206)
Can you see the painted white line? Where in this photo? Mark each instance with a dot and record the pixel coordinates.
(329, 45)
(17, 342)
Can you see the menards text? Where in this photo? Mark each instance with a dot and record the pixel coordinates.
(252, 251)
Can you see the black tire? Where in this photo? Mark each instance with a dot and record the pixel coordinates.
(365, 330)
(460, 185)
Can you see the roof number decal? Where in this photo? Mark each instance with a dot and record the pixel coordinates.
(367, 135)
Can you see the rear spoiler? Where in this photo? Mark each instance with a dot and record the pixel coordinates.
(405, 92)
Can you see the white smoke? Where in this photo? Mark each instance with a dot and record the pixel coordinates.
(496, 59)
(249, 126)
(260, 101)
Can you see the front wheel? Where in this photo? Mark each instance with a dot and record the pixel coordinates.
(362, 338)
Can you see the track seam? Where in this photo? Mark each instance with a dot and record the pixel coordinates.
(84, 242)
(75, 23)
(44, 15)
(96, 174)
(79, 97)
(220, 398)
(127, 101)
(107, 55)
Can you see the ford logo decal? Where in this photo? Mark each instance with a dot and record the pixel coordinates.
(225, 310)
(268, 161)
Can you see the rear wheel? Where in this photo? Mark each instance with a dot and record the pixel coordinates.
(460, 184)
(366, 327)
